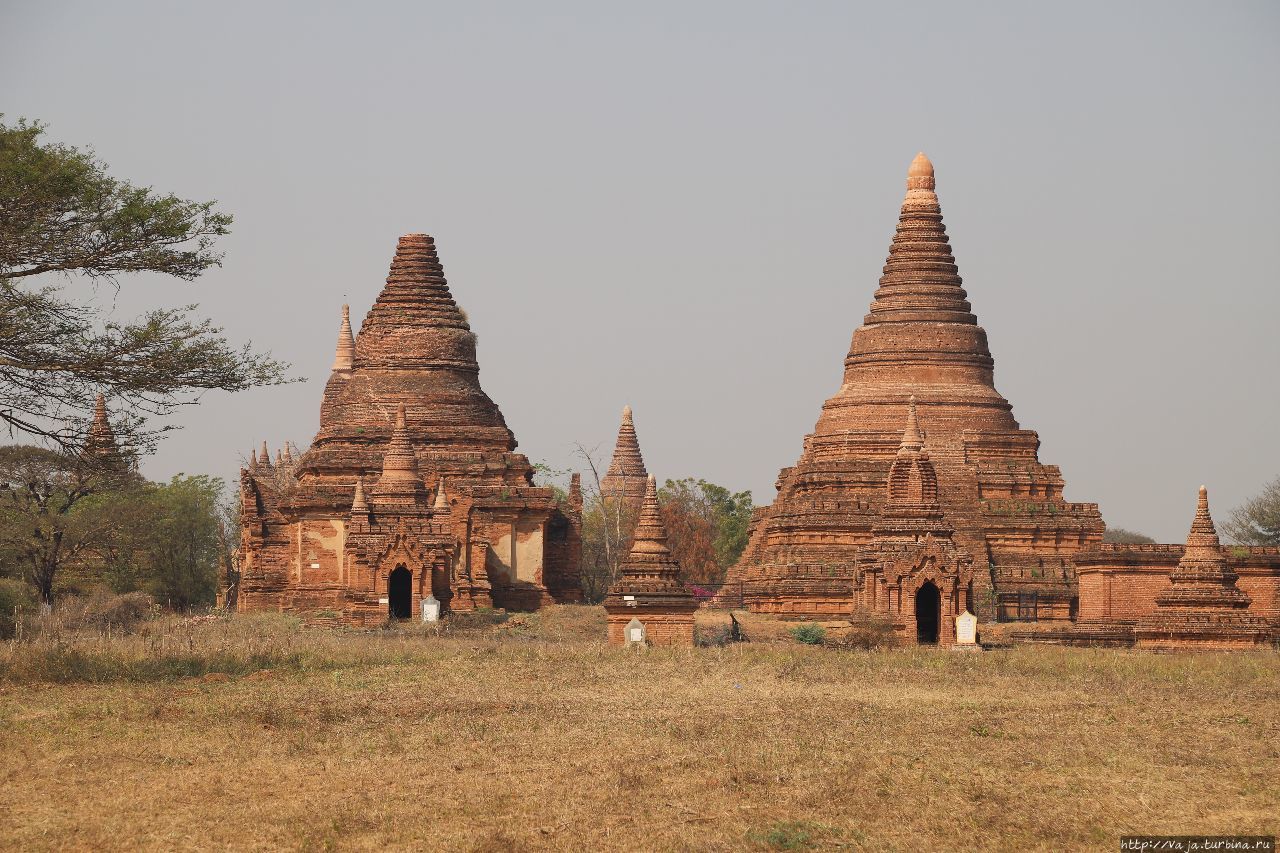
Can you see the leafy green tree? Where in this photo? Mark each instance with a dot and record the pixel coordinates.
(62, 215)
(56, 509)
(706, 527)
(183, 548)
(1257, 520)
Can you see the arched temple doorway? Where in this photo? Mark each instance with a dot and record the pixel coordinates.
(928, 613)
(400, 593)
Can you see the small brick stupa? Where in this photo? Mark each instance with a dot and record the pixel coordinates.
(626, 476)
(1202, 608)
(100, 442)
(412, 485)
(649, 589)
(912, 571)
(920, 338)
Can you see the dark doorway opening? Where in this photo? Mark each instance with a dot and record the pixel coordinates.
(400, 593)
(928, 613)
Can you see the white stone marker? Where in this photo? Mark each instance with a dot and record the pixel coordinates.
(430, 609)
(635, 633)
(966, 629)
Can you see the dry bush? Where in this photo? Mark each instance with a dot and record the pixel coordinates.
(865, 632)
(106, 612)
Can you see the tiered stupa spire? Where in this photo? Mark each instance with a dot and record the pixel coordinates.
(1203, 578)
(100, 442)
(359, 504)
(345, 354)
(1203, 607)
(416, 348)
(626, 475)
(399, 462)
(650, 567)
(911, 508)
(920, 335)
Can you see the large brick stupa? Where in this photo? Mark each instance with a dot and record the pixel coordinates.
(412, 485)
(922, 339)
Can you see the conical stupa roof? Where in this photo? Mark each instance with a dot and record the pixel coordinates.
(415, 348)
(345, 352)
(399, 462)
(626, 475)
(920, 336)
(101, 440)
(650, 569)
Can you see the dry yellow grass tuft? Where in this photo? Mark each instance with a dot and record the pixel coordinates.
(532, 734)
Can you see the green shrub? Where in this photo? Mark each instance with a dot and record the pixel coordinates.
(810, 635)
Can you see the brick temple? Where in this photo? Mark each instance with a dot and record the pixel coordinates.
(412, 486)
(1005, 509)
(649, 590)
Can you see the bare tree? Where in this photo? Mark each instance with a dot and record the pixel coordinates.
(607, 525)
(1257, 520)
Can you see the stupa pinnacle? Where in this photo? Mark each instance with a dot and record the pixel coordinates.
(626, 476)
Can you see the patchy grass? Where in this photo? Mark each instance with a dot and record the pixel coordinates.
(529, 733)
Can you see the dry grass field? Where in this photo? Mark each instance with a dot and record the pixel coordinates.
(257, 733)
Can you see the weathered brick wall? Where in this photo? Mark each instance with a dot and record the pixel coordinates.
(1122, 581)
(661, 629)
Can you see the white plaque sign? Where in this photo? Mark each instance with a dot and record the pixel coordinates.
(430, 609)
(966, 629)
(635, 633)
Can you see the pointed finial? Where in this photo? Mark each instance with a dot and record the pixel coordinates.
(359, 504)
(100, 408)
(626, 414)
(288, 454)
(345, 354)
(920, 173)
(399, 462)
(264, 458)
(253, 460)
(1203, 537)
(442, 500)
(911, 439)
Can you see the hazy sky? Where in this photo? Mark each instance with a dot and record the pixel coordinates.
(685, 206)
